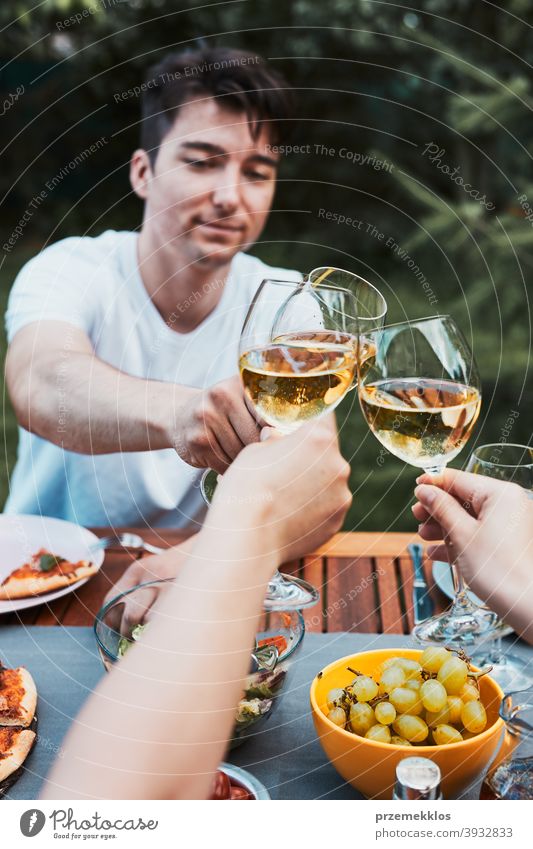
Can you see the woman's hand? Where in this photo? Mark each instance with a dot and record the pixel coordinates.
(295, 487)
(487, 526)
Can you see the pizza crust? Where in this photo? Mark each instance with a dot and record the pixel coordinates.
(14, 588)
(13, 758)
(27, 704)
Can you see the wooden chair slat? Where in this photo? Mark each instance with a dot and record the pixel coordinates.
(390, 598)
(314, 571)
(351, 596)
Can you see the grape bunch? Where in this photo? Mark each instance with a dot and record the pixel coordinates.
(433, 702)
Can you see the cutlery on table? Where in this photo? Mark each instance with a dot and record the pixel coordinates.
(126, 540)
(423, 604)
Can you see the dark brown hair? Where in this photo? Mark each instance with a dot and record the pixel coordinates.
(240, 81)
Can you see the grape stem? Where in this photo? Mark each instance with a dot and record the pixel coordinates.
(480, 673)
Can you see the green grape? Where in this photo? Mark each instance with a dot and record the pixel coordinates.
(413, 684)
(411, 668)
(440, 717)
(405, 701)
(399, 741)
(453, 675)
(337, 716)
(413, 728)
(364, 688)
(474, 717)
(391, 661)
(385, 713)
(444, 734)
(378, 733)
(469, 693)
(433, 657)
(455, 706)
(334, 697)
(433, 695)
(361, 718)
(391, 678)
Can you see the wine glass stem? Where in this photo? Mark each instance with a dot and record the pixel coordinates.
(458, 581)
(461, 601)
(435, 471)
(495, 653)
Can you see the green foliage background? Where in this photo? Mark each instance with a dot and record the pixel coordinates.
(372, 77)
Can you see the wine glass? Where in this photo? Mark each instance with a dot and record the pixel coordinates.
(323, 320)
(507, 462)
(299, 349)
(297, 359)
(421, 396)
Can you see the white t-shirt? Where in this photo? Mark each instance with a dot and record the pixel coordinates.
(95, 284)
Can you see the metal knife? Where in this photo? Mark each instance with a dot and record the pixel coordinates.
(422, 602)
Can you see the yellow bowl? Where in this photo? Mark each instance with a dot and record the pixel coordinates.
(369, 766)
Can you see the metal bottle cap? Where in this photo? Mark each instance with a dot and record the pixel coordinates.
(417, 778)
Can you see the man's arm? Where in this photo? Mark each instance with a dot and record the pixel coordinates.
(64, 393)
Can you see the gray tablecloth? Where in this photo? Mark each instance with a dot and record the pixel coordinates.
(65, 665)
(286, 756)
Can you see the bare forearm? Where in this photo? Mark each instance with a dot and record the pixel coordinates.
(157, 727)
(83, 404)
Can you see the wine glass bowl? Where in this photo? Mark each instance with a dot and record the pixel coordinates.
(504, 461)
(297, 353)
(420, 393)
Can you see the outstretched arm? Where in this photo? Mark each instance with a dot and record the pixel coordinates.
(66, 394)
(157, 726)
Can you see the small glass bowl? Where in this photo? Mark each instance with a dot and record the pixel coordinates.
(119, 624)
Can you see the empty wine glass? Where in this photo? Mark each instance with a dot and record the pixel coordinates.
(514, 463)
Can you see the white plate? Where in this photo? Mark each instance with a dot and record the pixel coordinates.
(22, 536)
(442, 575)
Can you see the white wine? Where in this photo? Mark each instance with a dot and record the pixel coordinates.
(424, 422)
(366, 350)
(295, 380)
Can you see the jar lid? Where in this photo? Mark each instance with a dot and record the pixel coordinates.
(417, 778)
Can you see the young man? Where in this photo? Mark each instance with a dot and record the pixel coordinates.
(122, 362)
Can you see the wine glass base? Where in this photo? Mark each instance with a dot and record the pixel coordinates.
(511, 673)
(290, 594)
(458, 630)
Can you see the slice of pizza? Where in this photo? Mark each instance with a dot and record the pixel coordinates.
(44, 573)
(15, 745)
(18, 697)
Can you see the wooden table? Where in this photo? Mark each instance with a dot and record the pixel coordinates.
(365, 581)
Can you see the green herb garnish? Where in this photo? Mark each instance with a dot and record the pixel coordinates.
(47, 562)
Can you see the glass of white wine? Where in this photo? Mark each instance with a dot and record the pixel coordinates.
(514, 463)
(421, 397)
(301, 348)
(297, 360)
